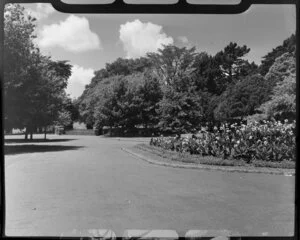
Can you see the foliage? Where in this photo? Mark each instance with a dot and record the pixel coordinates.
(18, 49)
(150, 93)
(282, 102)
(180, 106)
(173, 64)
(177, 89)
(129, 101)
(284, 66)
(186, 157)
(33, 84)
(232, 64)
(71, 106)
(208, 75)
(180, 111)
(113, 72)
(127, 66)
(64, 119)
(288, 46)
(267, 141)
(243, 98)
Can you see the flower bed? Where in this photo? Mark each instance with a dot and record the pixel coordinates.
(267, 141)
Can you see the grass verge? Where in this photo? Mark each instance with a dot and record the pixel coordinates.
(171, 156)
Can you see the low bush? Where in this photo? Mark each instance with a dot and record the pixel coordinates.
(268, 141)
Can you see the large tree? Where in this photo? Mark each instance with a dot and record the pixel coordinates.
(110, 109)
(288, 46)
(243, 98)
(283, 66)
(282, 80)
(180, 109)
(208, 74)
(232, 63)
(127, 66)
(19, 59)
(44, 94)
(172, 63)
(150, 93)
(33, 84)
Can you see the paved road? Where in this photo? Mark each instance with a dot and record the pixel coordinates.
(88, 182)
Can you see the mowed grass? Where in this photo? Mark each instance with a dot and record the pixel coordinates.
(170, 156)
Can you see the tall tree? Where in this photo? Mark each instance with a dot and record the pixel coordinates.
(283, 66)
(46, 93)
(207, 73)
(127, 66)
(150, 93)
(180, 109)
(282, 80)
(173, 63)
(232, 64)
(33, 84)
(18, 54)
(243, 98)
(108, 110)
(288, 46)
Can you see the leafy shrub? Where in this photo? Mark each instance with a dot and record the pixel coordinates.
(267, 141)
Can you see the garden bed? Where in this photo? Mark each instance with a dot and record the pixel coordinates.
(168, 156)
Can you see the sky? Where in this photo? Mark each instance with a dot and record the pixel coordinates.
(89, 41)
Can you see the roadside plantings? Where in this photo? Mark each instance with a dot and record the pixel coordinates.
(271, 141)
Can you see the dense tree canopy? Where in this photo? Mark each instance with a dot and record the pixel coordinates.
(283, 66)
(178, 89)
(288, 46)
(282, 74)
(243, 98)
(231, 63)
(34, 85)
(19, 57)
(173, 64)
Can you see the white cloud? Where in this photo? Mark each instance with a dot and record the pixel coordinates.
(183, 39)
(138, 38)
(73, 34)
(41, 10)
(79, 78)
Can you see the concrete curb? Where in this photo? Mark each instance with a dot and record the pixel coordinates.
(126, 139)
(208, 167)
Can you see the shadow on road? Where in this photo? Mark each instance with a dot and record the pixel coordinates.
(20, 149)
(37, 140)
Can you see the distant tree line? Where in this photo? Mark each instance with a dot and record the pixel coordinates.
(34, 84)
(179, 89)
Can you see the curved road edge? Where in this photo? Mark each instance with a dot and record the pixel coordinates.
(286, 172)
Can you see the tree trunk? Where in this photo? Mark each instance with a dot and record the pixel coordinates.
(45, 133)
(110, 130)
(31, 135)
(26, 134)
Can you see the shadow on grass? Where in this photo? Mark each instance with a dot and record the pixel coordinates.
(20, 149)
(37, 140)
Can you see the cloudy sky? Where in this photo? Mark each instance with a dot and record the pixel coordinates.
(89, 41)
